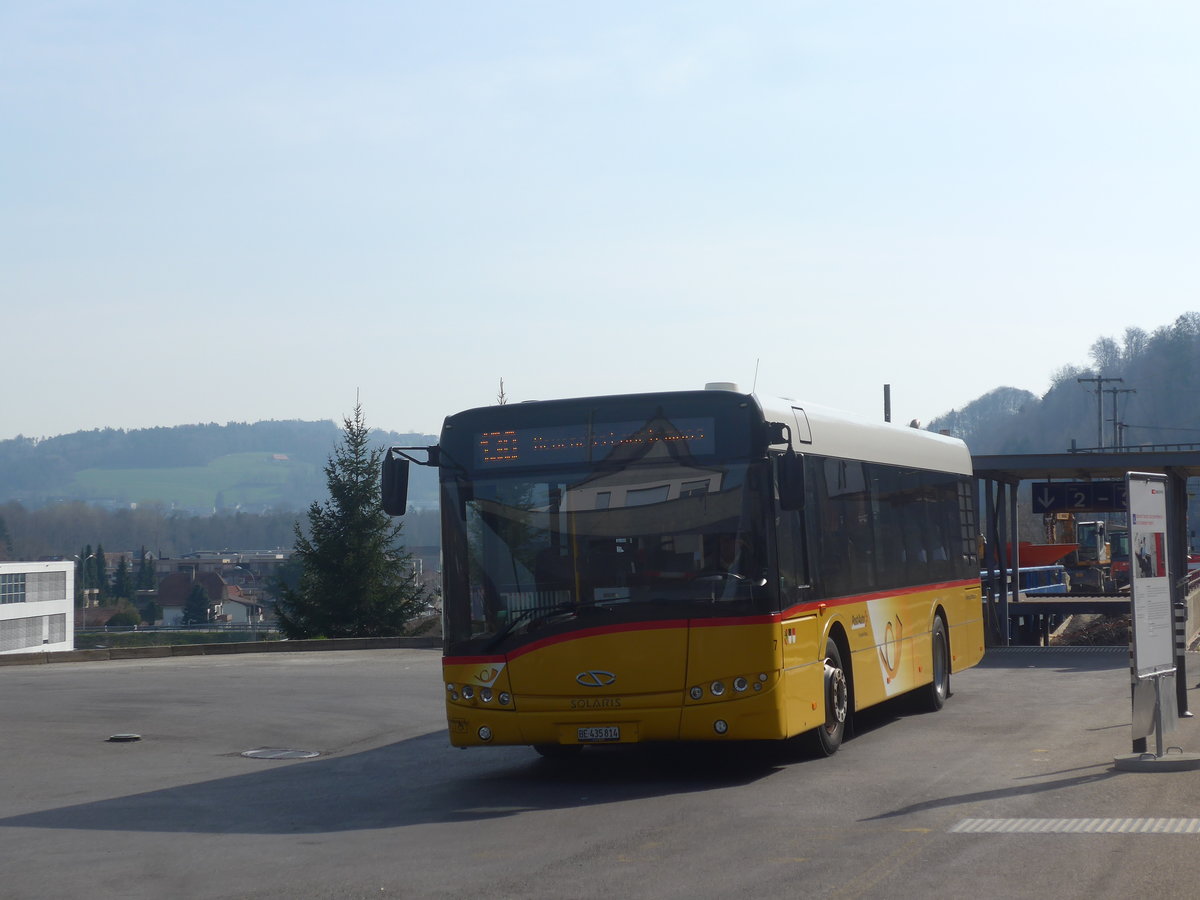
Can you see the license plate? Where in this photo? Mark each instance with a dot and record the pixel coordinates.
(599, 733)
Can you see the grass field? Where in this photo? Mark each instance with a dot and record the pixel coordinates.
(238, 479)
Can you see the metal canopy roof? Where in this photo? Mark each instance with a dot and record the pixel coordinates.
(1012, 468)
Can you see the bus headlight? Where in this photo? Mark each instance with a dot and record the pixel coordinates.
(485, 733)
(696, 693)
(717, 688)
(486, 695)
(720, 726)
(467, 692)
(505, 698)
(740, 684)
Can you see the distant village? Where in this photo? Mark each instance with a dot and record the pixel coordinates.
(239, 586)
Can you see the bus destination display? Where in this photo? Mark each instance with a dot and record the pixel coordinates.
(579, 443)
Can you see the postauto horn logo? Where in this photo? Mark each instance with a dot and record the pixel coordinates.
(595, 678)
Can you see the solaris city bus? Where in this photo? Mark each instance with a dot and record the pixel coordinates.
(696, 565)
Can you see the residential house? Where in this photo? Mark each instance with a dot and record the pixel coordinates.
(174, 590)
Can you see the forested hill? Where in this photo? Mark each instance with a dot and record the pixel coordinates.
(1155, 398)
(276, 465)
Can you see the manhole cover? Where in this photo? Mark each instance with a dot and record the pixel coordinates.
(268, 753)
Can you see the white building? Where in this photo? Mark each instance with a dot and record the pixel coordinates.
(37, 606)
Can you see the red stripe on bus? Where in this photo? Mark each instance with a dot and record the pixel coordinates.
(810, 605)
(471, 660)
(767, 619)
(771, 619)
(594, 632)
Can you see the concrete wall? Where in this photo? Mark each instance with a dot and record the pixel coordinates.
(161, 652)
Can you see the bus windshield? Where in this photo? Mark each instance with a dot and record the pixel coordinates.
(540, 553)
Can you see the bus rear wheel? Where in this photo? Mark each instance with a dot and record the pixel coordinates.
(938, 690)
(836, 691)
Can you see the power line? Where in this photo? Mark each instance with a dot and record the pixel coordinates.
(1162, 428)
(1115, 423)
(1099, 382)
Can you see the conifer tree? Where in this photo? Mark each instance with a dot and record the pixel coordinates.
(101, 581)
(195, 608)
(145, 580)
(6, 547)
(355, 578)
(122, 587)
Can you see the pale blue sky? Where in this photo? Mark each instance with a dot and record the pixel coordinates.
(240, 211)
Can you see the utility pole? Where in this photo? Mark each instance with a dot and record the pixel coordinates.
(1116, 425)
(1099, 382)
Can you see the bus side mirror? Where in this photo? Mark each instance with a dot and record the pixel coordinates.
(394, 484)
(791, 481)
(779, 433)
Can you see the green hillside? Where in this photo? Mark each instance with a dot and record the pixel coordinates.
(249, 481)
(196, 469)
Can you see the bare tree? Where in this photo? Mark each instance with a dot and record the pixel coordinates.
(1105, 354)
(1136, 340)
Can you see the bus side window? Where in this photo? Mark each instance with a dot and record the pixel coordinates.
(942, 528)
(847, 541)
(969, 537)
(893, 556)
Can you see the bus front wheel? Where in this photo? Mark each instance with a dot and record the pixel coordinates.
(837, 703)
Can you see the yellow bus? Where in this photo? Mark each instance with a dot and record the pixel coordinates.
(694, 566)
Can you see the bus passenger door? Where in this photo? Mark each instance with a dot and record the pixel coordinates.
(800, 630)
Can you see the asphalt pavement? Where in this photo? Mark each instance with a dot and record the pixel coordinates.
(1010, 791)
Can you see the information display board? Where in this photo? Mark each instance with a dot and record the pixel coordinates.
(1079, 496)
(1153, 629)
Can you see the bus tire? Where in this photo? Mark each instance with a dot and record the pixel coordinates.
(558, 751)
(935, 693)
(836, 694)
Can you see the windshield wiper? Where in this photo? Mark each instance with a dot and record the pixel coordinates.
(532, 615)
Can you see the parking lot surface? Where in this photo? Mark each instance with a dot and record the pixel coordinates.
(382, 806)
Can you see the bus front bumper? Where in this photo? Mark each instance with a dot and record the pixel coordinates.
(755, 717)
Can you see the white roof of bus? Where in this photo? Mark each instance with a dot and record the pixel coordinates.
(846, 435)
